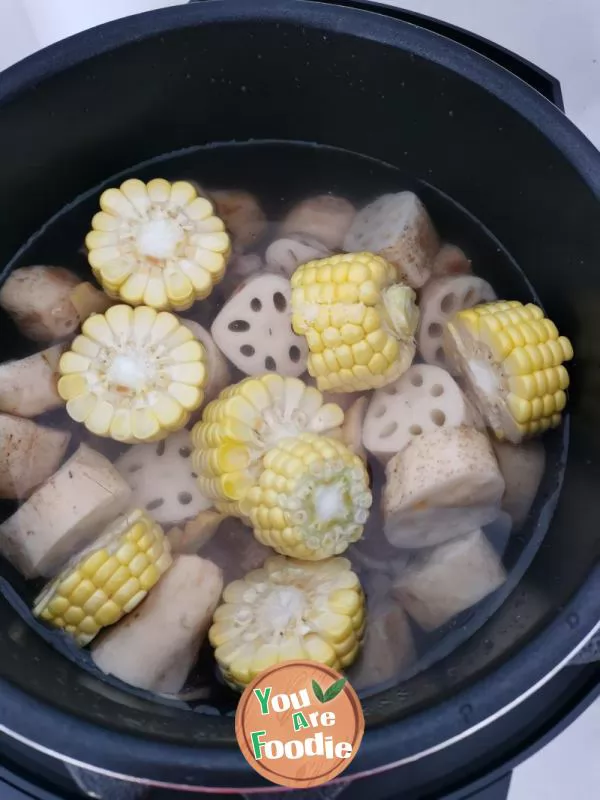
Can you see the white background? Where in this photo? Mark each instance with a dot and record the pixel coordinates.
(563, 37)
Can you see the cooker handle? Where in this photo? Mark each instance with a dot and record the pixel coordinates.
(537, 78)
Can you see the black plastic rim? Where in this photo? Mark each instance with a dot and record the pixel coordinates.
(470, 710)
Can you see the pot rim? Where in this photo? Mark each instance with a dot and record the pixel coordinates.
(124, 756)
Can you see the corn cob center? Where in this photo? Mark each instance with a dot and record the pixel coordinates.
(312, 499)
(288, 609)
(133, 374)
(248, 420)
(331, 497)
(160, 238)
(157, 244)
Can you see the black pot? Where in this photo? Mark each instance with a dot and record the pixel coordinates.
(93, 105)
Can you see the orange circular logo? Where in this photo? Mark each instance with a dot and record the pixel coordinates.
(299, 724)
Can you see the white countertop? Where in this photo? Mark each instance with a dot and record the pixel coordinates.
(562, 38)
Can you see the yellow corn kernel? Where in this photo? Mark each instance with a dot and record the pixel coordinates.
(288, 609)
(351, 301)
(243, 423)
(512, 359)
(146, 375)
(103, 584)
(324, 505)
(158, 245)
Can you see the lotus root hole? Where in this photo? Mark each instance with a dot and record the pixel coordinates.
(448, 302)
(417, 379)
(194, 475)
(154, 504)
(185, 498)
(440, 355)
(255, 304)
(295, 354)
(270, 364)
(469, 297)
(389, 429)
(247, 350)
(435, 330)
(135, 468)
(279, 301)
(438, 417)
(160, 448)
(437, 390)
(415, 430)
(185, 452)
(239, 326)
(379, 412)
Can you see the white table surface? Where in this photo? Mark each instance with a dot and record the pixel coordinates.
(563, 38)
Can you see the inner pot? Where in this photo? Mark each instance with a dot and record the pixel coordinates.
(359, 81)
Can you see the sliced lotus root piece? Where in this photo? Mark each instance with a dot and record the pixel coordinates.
(285, 255)
(157, 244)
(444, 484)
(217, 366)
(440, 583)
(162, 479)
(242, 214)
(439, 301)
(523, 467)
(450, 260)
(398, 228)
(325, 217)
(254, 329)
(423, 400)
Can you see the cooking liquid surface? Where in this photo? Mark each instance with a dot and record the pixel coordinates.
(280, 175)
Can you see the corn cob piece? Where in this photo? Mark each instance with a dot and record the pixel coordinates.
(133, 375)
(312, 499)
(157, 244)
(359, 324)
(243, 423)
(288, 610)
(511, 357)
(108, 580)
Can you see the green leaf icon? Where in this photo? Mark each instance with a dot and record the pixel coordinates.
(318, 692)
(334, 690)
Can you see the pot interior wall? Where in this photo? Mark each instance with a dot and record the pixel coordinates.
(313, 79)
